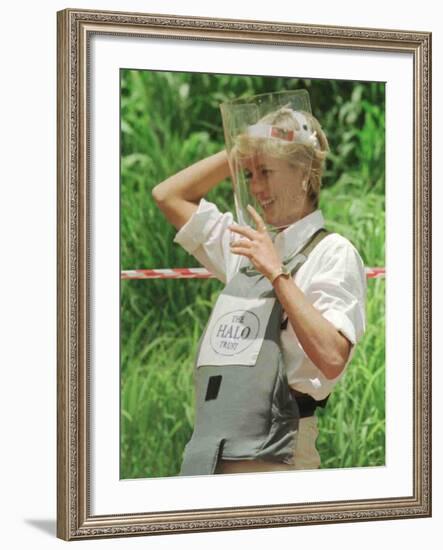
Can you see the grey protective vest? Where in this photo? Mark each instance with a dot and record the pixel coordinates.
(243, 407)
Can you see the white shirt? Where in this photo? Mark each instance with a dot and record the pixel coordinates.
(333, 279)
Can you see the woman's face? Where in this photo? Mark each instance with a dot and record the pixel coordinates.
(276, 187)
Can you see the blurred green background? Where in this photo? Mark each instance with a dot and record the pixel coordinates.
(168, 121)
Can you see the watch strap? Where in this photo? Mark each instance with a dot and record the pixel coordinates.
(283, 271)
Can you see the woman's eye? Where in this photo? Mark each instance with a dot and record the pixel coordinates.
(264, 172)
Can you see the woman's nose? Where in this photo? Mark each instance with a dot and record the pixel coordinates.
(256, 183)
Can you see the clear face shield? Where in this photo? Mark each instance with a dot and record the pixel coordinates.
(271, 145)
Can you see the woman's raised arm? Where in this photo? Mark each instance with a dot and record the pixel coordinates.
(179, 195)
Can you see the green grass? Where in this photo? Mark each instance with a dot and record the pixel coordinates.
(169, 121)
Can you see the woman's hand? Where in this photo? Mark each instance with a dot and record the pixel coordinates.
(257, 246)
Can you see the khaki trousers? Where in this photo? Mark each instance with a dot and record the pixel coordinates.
(306, 455)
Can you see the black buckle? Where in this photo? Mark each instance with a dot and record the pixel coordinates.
(307, 404)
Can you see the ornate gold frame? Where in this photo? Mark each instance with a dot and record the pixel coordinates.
(75, 27)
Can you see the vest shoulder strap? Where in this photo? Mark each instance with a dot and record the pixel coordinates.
(303, 254)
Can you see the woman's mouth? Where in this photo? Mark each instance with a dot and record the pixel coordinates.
(265, 204)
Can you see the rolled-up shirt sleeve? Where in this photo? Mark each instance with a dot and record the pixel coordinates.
(338, 290)
(206, 236)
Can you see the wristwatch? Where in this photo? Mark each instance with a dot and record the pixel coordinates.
(283, 271)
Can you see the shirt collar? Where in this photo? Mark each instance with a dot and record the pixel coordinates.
(296, 235)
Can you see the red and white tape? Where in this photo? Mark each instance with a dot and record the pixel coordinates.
(202, 273)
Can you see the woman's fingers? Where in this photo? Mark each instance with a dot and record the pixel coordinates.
(243, 230)
(241, 242)
(260, 224)
(241, 250)
(248, 231)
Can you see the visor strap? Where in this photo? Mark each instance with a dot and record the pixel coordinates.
(269, 131)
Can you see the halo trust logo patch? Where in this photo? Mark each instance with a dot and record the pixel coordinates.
(233, 332)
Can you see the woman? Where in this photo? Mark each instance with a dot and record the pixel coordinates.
(276, 161)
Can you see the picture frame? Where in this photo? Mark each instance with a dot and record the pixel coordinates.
(79, 258)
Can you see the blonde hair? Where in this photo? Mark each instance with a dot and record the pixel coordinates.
(292, 152)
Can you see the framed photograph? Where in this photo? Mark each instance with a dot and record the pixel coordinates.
(147, 103)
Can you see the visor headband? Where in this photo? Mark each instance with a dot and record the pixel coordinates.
(304, 136)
